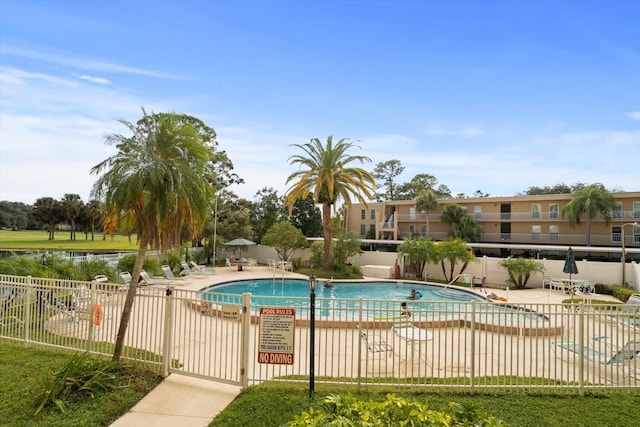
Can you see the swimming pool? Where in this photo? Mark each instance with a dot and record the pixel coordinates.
(376, 290)
(373, 300)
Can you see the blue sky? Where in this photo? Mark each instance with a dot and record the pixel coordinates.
(494, 96)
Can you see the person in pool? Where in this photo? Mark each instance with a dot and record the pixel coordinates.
(413, 294)
(404, 311)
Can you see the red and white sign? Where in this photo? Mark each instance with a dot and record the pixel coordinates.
(276, 338)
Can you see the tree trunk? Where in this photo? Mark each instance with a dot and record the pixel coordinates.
(326, 233)
(128, 303)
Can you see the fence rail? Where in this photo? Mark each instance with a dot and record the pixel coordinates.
(461, 345)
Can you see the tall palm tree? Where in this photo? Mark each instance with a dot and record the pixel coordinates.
(71, 207)
(160, 179)
(48, 211)
(96, 214)
(325, 174)
(588, 202)
(425, 201)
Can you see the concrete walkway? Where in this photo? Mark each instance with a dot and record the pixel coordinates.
(180, 401)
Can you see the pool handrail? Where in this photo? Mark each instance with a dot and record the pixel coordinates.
(452, 281)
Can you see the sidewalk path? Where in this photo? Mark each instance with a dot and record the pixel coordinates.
(180, 401)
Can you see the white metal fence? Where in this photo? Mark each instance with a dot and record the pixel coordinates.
(459, 345)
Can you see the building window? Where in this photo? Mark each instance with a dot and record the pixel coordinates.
(423, 230)
(636, 210)
(412, 213)
(636, 234)
(363, 229)
(616, 234)
(477, 212)
(373, 214)
(412, 230)
(363, 214)
(554, 211)
(554, 233)
(536, 230)
(535, 211)
(372, 230)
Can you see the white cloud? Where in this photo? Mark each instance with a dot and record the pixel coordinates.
(91, 79)
(635, 115)
(63, 58)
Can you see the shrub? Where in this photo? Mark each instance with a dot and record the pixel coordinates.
(173, 260)
(81, 375)
(520, 270)
(317, 250)
(603, 289)
(622, 292)
(394, 411)
(150, 265)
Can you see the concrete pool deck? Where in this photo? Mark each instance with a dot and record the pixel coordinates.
(185, 401)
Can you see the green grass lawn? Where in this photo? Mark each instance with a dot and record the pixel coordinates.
(21, 372)
(272, 404)
(38, 240)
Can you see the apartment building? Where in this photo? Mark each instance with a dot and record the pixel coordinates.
(504, 220)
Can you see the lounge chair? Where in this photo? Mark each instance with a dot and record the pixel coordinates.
(376, 344)
(622, 359)
(126, 277)
(404, 329)
(201, 268)
(62, 306)
(101, 278)
(186, 270)
(632, 306)
(146, 279)
(630, 315)
(168, 274)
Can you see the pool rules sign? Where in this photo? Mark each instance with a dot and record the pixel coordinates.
(276, 337)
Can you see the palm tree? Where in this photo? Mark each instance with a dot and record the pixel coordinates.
(71, 207)
(48, 211)
(324, 173)
(427, 200)
(588, 202)
(453, 250)
(451, 214)
(160, 179)
(95, 212)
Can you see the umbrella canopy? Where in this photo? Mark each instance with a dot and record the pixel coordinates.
(570, 266)
(239, 243)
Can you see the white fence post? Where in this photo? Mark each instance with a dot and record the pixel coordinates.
(27, 311)
(168, 332)
(244, 346)
(472, 370)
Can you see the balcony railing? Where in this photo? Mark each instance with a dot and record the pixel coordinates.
(614, 217)
(537, 238)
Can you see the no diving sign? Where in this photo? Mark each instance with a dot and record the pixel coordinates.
(276, 337)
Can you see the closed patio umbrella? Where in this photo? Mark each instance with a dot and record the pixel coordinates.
(570, 267)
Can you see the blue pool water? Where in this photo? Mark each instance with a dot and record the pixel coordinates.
(373, 299)
(367, 290)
